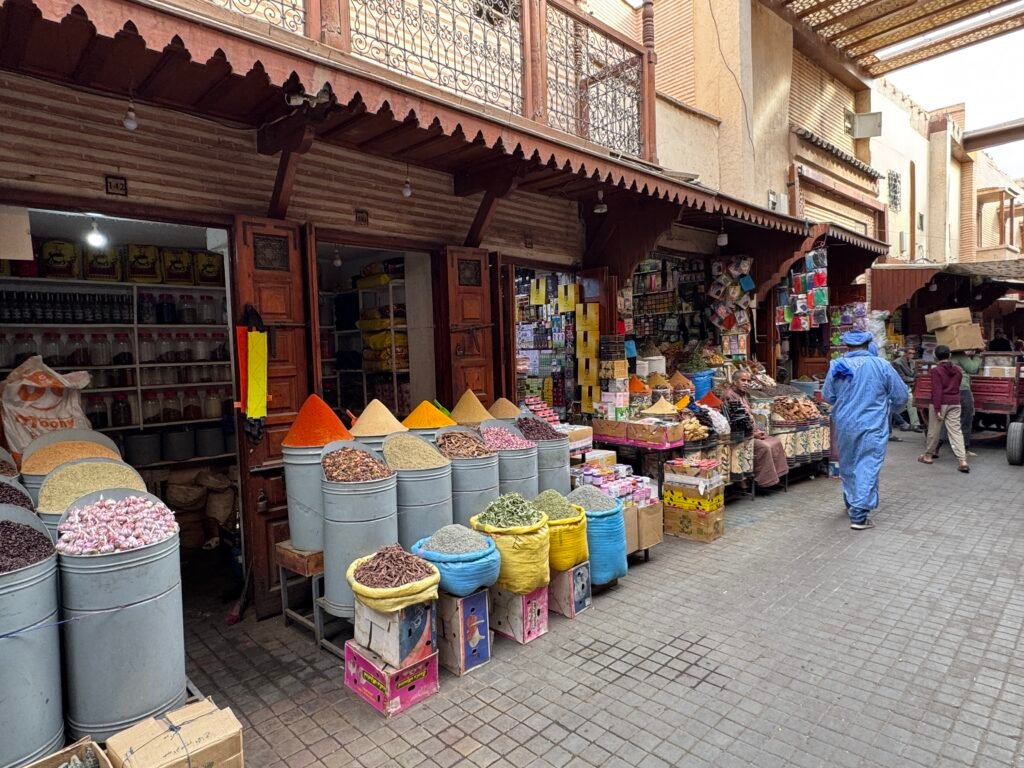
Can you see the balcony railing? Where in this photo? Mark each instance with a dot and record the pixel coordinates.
(542, 59)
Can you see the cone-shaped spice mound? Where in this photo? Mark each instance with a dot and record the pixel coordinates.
(377, 420)
(469, 409)
(315, 425)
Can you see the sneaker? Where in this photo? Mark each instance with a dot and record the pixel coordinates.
(918, 428)
(862, 526)
(905, 428)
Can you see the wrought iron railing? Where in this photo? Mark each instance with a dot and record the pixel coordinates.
(290, 15)
(594, 83)
(472, 47)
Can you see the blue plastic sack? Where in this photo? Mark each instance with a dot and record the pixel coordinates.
(606, 540)
(702, 381)
(465, 573)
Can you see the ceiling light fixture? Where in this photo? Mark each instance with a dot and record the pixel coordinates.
(723, 237)
(94, 237)
(600, 206)
(407, 187)
(130, 121)
(337, 257)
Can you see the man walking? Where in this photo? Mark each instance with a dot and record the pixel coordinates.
(970, 365)
(944, 410)
(904, 365)
(862, 389)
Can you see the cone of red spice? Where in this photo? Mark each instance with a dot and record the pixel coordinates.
(315, 425)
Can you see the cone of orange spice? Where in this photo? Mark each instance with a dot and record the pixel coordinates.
(315, 425)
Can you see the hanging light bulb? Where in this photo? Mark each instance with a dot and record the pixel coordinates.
(94, 237)
(407, 187)
(130, 122)
(723, 237)
(337, 257)
(600, 206)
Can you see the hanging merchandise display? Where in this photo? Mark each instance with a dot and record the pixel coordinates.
(251, 335)
(545, 341)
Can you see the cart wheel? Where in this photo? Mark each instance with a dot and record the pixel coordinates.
(1015, 443)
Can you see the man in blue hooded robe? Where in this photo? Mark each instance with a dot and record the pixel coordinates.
(863, 390)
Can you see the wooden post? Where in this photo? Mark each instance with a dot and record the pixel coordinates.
(526, 32)
(538, 59)
(1002, 220)
(335, 22)
(649, 93)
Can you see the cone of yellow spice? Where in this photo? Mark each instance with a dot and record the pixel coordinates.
(503, 408)
(427, 416)
(376, 420)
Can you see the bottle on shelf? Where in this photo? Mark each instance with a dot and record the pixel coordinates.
(170, 406)
(212, 407)
(191, 406)
(207, 311)
(100, 350)
(52, 350)
(121, 411)
(183, 348)
(147, 348)
(37, 307)
(96, 412)
(6, 349)
(102, 379)
(166, 311)
(151, 409)
(200, 347)
(7, 301)
(187, 314)
(122, 349)
(78, 351)
(218, 347)
(147, 309)
(165, 352)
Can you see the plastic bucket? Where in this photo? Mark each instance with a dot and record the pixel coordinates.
(31, 707)
(52, 519)
(553, 465)
(517, 472)
(702, 381)
(15, 484)
(302, 475)
(359, 519)
(124, 661)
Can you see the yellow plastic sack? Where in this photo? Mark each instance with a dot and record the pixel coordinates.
(391, 599)
(524, 555)
(382, 340)
(568, 537)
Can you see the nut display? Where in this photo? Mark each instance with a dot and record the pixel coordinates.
(794, 409)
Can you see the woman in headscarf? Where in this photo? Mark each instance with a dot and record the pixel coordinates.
(769, 453)
(863, 390)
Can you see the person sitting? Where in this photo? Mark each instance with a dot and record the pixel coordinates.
(1000, 343)
(769, 454)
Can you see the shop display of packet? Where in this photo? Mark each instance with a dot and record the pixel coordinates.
(617, 481)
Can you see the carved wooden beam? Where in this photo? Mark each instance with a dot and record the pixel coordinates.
(292, 137)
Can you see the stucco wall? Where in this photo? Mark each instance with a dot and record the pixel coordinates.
(771, 42)
(688, 141)
(819, 102)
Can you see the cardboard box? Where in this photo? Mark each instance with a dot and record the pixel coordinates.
(143, 265)
(178, 265)
(569, 592)
(947, 317)
(78, 749)
(586, 370)
(650, 526)
(587, 317)
(520, 617)
(694, 498)
(400, 638)
(606, 428)
(103, 264)
(620, 399)
(694, 524)
(960, 337)
(568, 297)
(655, 433)
(202, 735)
(464, 637)
(587, 343)
(614, 369)
(389, 690)
(630, 516)
(999, 371)
(209, 268)
(601, 457)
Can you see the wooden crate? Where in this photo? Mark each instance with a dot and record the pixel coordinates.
(299, 561)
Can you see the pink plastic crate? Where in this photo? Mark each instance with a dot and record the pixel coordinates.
(387, 689)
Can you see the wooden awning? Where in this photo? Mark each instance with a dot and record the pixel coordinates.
(893, 286)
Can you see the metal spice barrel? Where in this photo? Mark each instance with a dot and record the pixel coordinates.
(5, 455)
(15, 484)
(517, 472)
(373, 442)
(52, 519)
(424, 502)
(426, 434)
(31, 708)
(32, 483)
(474, 482)
(553, 465)
(302, 475)
(359, 519)
(124, 660)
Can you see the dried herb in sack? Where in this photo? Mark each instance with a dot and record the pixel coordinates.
(510, 511)
(392, 567)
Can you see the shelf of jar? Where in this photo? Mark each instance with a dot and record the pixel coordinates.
(71, 326)
(193, 460)
(143, 327)
(54, 282)
(69, 368)
(106, 390)
(149, 387)
(158, 424)
(199, 362)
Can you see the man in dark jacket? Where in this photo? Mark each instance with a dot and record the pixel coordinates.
(944, 409)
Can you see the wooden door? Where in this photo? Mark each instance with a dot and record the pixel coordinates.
(470, 322)
(269, 272)
(503, 304)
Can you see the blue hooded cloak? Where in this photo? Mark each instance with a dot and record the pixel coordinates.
(862, 389)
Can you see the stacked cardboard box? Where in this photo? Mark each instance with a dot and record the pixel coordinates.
(613, 378)
(694, 498)
(587, 340)
(954, 329)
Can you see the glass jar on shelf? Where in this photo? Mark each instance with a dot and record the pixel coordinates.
(193, 374)
(121, 411)
(191, 406)
(165, 352)
(151, 409)
(51, 349)
(187, 313)
(24, 347)
(206, 313)
(99, 349)
(102, 380)
(172, 375)
(6, 349)
(147, 309)
(122, 353)
(183, 348)
(212, 407)
(200, 347)
(170, 406)
(78, 351)
(151, 377)
(219, 347)
(96, 412)
(166, 311)
(147, 348)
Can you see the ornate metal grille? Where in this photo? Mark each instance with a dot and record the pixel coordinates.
(290, 15)
(471, 47)
(594, 84)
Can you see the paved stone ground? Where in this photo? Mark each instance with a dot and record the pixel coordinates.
(792, 640)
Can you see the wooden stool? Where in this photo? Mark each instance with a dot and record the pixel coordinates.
(308, 565)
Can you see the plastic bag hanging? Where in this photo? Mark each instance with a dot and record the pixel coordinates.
(251, 335)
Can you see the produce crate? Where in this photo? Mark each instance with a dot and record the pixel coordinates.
(388, 689)
(464, 637)
(695, 525)
(570, 592)
(400, 638)
(520, 617)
